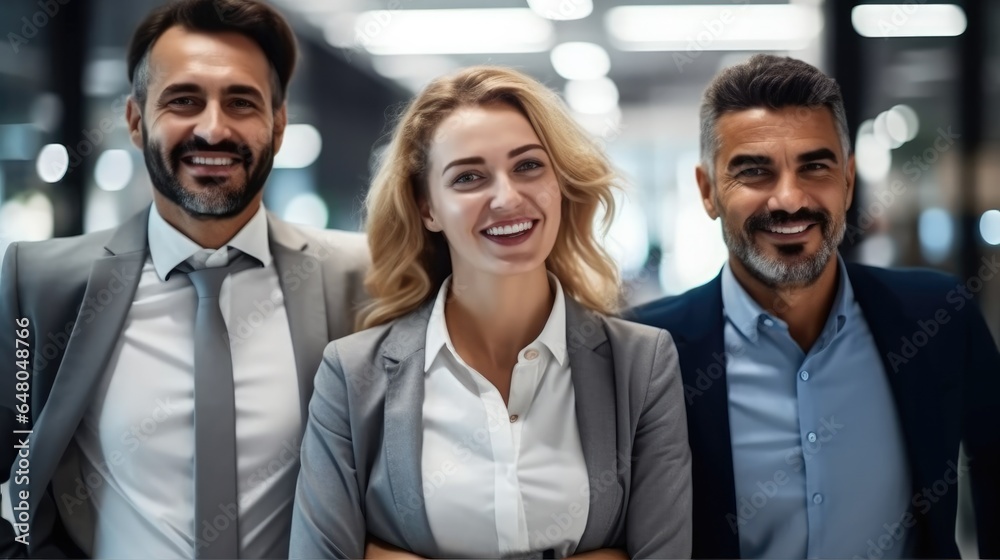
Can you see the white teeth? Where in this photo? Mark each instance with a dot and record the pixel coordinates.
(197, 160)
(510, 230)
(788, 230)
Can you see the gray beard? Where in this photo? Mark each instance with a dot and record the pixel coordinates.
(779, 272)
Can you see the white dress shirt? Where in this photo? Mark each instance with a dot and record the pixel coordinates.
(137, 437)
(501, 480)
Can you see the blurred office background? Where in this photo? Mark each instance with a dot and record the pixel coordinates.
(921, 83)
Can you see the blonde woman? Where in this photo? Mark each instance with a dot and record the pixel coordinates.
(493, 408)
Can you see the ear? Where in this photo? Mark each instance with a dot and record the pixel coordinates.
(133, 117)
(280, 122)
(427, 216)
(705, 188)
(851, 170)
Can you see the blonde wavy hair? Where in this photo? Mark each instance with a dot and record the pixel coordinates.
(409, 263)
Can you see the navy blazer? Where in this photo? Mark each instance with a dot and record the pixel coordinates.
(944, 371)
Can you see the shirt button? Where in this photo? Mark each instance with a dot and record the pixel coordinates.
(513, 418)
(811, 436)
(531, 354)
(768, 323)
(817, 499)
(804, 376)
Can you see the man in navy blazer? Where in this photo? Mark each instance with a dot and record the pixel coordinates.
(827, 401)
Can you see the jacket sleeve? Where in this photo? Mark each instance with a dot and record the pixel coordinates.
(658, 521)
(9, 325)
(328, 520)
(981, 430)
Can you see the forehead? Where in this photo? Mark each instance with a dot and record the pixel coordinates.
(764, 130)
(220, 59)
(480, 131)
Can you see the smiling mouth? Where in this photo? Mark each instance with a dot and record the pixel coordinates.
(511, 230)
(789, 230)
(221, 161)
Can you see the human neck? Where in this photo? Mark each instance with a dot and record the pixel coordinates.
(803, 308)
(494, 317)
(211, 233)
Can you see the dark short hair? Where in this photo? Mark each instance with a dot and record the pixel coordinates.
(251, 18)
(772, 82)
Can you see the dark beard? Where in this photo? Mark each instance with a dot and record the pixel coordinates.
(221, 202)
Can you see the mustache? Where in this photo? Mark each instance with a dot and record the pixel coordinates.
(765, 219)
(197, 144)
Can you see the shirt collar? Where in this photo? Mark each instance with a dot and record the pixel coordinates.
(168, 247)
(747, 315)
(553, 335)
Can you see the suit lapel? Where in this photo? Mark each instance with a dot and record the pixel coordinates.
(596, 414)
(106, 302)
(886, 317)
(703, 368)
(923, 409)
(403, 354)
(301, 279)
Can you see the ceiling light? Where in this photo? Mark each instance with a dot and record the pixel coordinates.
(580, 61)
(459, 31)
(562, 9)
(757, 27)
(908, 20)
(592, 97)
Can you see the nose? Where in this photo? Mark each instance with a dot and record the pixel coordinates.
(788, 195)
(213, 125)
(506, 195)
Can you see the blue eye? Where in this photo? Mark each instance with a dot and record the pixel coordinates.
(529, 165)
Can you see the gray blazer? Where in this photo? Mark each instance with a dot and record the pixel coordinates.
(76, 292)
(361, 453)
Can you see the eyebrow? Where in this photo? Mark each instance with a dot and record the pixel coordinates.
(240, 89)
(816, 155)
(189, 87)
(174, 89)
(527, 147)
(511, 154)
(745, 159)
(463, 161)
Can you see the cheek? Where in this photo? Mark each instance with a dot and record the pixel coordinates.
(457, 214)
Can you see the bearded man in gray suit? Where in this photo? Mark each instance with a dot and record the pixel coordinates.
(114, 377)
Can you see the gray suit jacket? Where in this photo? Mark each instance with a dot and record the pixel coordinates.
(76, 293)
(361, 453)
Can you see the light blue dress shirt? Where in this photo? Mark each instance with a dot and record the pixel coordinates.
(818, 455)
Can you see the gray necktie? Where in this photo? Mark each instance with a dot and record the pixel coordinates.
(216, 523)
